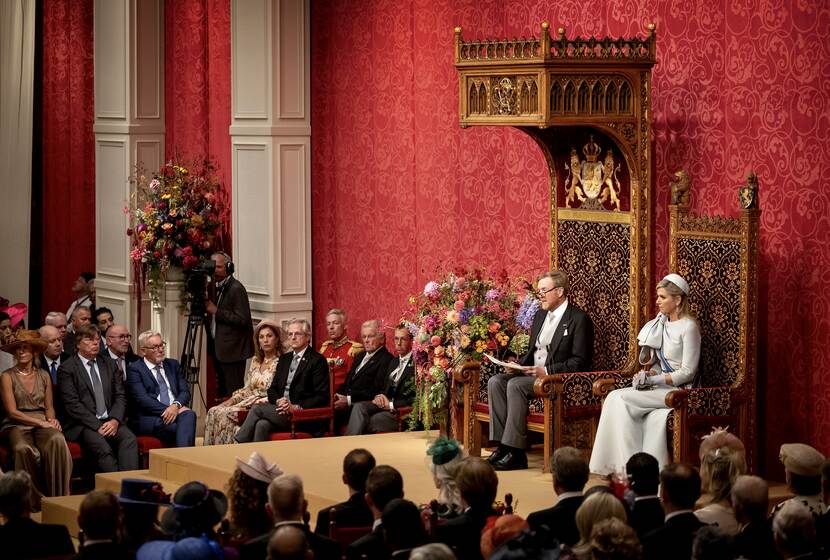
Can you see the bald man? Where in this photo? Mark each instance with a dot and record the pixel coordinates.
(54, 355)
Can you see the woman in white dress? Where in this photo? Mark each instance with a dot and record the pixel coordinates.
(634, 419)
(220, 423)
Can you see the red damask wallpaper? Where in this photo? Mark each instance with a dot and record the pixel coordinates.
(197, 83)
(68, 145)
(739, 85)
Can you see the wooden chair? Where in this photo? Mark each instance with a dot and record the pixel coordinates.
(719, 258)
(310, 415)
(586, 103)
(145, 444)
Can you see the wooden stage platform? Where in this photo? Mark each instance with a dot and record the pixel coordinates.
(319, 462)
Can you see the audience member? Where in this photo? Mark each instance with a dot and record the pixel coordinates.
(196, 510)
(289, 542)
(230, 332)
(338, 350)
(569, 471)
(190, 548)
(287, 506)
(403, 529)
(354, 512)
(478, 484)
(21, 537)
(383, 485)
(794, 531)
(301, 381)
(397, 390)
(93, 400)
(613, 539)
(30, 424)
(722, 460)
(802, 467)
(6, 359)
(80, 317)
(680, 489)
(366, 378)
(432, 551)
(221, 422)
(58, 320)
(596, 507)
(83, 290)
(823, 522)
(159, 395)
(248, 496)
(750, 500)
(561, 340)
(447, 456)
(713, 543)
(103, 319)
(140, 501)
(119, 350)
(100, 522)
(504, 528)
(53, 354)
(646, 512)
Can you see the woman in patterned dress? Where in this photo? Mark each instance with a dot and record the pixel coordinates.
(220, 424)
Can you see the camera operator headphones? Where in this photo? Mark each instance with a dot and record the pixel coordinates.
(228, 262)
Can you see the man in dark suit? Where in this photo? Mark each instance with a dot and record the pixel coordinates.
(54, 355)
(159, 396)
(679, 491)
(477, 483)
(80, 317)
(750, 500)
(287, 506)
(398, 390)
(367, 376)
(118, 348)
(383, 485)
(20, 535)
(230, 328)
(94, 405)
(354, 512)
(570, 474)
(647, 512)
(301, 381)
(561, 340)
(100, 520)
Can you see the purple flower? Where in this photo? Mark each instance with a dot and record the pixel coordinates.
(413, 329)
(465, 315)
(431, 290)
(493, 295)
(430, 323)
(529, 307)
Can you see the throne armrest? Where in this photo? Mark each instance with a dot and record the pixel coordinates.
(467, 373)
(702, 401)
(310, 414)
(578, 388)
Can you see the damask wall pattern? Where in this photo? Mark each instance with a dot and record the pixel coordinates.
(400, 191)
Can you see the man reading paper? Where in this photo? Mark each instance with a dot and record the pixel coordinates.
(561, 340)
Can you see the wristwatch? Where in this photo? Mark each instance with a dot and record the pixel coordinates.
(178, 404)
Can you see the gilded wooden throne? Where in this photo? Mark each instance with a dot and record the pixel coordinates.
(719, 258)
(587, 104)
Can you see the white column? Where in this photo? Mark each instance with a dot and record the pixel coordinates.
(271, 147)
(129, 129)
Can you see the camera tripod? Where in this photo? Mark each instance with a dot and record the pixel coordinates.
(192, 353)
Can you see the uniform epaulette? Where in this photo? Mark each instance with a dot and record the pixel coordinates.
(356, 348)
(327, 343)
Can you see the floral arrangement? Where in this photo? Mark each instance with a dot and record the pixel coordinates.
(176, 220)
(457, 318)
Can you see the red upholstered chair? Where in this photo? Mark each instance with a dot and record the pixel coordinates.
(306, 415)
(145, 444)
(74, 450)
(345, 535)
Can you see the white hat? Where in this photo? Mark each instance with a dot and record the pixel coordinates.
(258, 468)
(678, 281)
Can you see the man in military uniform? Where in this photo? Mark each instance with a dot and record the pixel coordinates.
(338, 350)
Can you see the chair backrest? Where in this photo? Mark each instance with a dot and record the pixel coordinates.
(345, 535)
(719, 258)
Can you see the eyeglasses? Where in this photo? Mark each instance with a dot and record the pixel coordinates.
(296, 334)
(546, 292)
(156, 347)
(121, 336)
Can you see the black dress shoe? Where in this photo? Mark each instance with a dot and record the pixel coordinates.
(513, 460)
(496, 455)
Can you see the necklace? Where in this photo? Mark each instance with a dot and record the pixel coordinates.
(24, 373)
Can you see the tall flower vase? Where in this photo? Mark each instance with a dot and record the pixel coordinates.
(168, 311)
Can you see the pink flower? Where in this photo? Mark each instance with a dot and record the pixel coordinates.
(459, 305)
(435, 340)
(154, 184)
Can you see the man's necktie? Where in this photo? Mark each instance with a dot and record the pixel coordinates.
(98, 391)
(121, 368)
(164, 398)
(292, 369)
(53, 371)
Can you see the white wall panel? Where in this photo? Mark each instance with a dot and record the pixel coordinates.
(111, 47)
(253, 223)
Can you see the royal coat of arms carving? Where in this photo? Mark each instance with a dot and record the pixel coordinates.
(591, 183)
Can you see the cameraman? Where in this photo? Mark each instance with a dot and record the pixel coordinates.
(230, 340)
